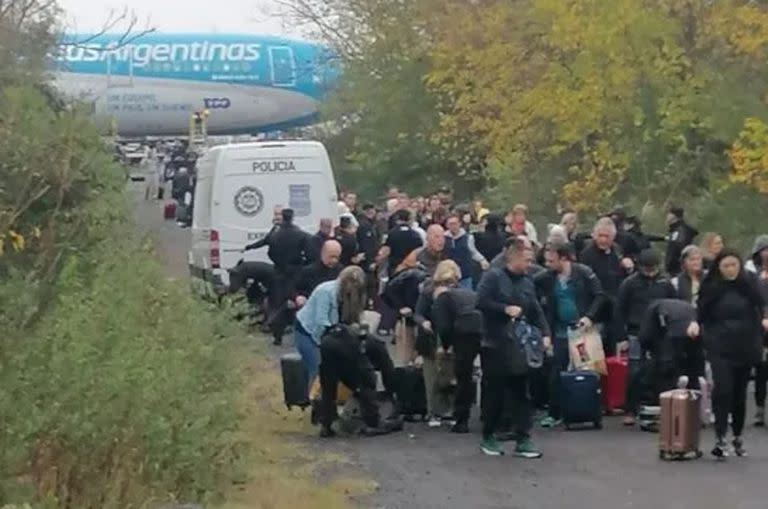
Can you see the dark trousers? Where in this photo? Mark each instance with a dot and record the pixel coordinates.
(465, 351)
(761, 381)
(729, 394)
(282, 289)
(354, 365)
(500, 389)
(345, 361)
(559, 363)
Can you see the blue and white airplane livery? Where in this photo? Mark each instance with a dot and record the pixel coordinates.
(151, 86)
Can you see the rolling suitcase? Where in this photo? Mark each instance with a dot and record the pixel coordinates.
(169, 211)
(295, 384)
(614, 384)
(580, 398)
(411, 392)
(680, 424)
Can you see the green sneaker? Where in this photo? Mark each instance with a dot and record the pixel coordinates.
(490, 447)
(550, 422)
(526, 449)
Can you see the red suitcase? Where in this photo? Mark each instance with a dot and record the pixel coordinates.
(169, 212)
(615, 384)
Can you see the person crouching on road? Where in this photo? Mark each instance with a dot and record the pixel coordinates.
(504, 295)
(333, 311)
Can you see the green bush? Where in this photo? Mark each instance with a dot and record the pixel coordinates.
(123, 393)
(116, 389)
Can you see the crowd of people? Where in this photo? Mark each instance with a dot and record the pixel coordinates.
(448, 280)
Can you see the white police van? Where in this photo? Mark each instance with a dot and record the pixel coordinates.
(238, 187)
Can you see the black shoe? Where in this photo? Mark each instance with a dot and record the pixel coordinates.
(738, 447)
(720, 451)
(460, 428)
(370, 431)
(327, 432)
(393, 424)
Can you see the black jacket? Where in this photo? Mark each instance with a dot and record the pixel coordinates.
(313, 275)
(606, 266)
(498, 289)
(681, 235)
(588, 292)
(315, 246)
(367, 239)
(264, 241)
(730, 314)
(349, 248)
(490, 243)
(403, 289)
(455, 317)
(684, 286)
(637, 292)
(288, 248)
(664, 332)
(401, 241)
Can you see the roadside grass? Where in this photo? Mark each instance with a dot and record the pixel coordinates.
(284, 469)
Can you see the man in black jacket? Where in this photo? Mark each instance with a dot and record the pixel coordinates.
(368, 237)
(636, 294)
(504, 295)
(327, 268)
(288, 250)
(571, 296)
(277, 219)
(681, 234)
(611, 268)
(346, 235)
(316, 241)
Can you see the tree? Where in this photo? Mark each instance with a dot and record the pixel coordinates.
(384, 117)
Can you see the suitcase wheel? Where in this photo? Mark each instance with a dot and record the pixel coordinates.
(699, 454)
(662, 455)
(568, 426)
(598, 424)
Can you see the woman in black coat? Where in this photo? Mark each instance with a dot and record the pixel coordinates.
(731, 320)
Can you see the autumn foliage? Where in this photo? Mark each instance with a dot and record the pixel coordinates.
(581, 102)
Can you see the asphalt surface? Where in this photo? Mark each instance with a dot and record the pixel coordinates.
(608, 469)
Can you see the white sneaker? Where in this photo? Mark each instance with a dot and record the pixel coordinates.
(434, 422)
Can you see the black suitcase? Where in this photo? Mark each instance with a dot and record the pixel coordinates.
(295, 384)
(580, 398)
(411, 392)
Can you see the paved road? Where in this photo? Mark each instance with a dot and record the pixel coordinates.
(608, 469)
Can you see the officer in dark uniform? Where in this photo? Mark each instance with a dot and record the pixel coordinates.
(288, 246)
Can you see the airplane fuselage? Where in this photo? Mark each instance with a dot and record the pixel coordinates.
(152, 85)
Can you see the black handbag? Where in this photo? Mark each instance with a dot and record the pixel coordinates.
(524, 347)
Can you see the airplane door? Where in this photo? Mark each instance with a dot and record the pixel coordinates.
(282, 66)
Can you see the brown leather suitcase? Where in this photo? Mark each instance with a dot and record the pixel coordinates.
(680, 424)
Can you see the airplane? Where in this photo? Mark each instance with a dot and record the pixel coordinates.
(153, 84)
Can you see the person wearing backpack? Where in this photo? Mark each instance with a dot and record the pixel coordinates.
(570, 294)
(459, 328)
(506, 297)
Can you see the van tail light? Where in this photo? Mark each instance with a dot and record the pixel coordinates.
(215, 254)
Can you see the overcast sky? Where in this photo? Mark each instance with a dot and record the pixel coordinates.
(223, 16)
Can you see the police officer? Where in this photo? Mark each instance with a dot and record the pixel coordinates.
(287, 249)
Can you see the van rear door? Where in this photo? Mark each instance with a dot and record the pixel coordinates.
(253, 183)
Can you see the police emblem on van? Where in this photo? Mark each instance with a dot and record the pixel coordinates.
(249, 201)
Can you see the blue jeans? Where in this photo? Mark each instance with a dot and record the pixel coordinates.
(466, 283)
(310, 354)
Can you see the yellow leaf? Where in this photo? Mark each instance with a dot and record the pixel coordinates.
(17, 241)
